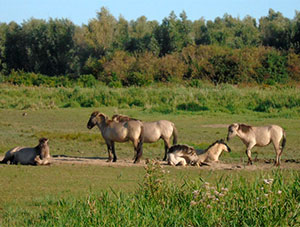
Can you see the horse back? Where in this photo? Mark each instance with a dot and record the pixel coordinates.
(124, 131)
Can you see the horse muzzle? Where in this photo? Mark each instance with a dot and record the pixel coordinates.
(89, 126)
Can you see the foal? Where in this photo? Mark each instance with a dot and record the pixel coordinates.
(184, 154)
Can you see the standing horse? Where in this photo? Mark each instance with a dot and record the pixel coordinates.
(259, 136)
(184, 154)
(153, 131)
(118, 132)
(38, 155)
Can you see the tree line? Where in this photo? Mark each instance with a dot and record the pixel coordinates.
(138, 52)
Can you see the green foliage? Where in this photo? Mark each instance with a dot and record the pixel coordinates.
(140, 52)
(269, 200)
(158, 98)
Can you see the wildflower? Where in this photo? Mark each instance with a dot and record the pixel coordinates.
(221, 194)
(225, 189)
(268, 181)
(279, 192)
(266, 195)
(217, 193)
(196, 192)
(193, 203)
(208, 206)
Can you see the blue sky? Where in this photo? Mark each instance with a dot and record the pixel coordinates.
(81, 11)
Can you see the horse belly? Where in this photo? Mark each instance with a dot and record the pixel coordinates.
(151, 135)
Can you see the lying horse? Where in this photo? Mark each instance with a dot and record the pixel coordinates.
(153, 131)
(38, 155)
(184, 154)
(113, 131)
(259, 136)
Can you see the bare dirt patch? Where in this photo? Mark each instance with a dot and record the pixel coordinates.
(102, 161)
(259, 165)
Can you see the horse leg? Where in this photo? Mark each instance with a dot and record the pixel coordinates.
(182, 162)
(167, 146)
(278, 153)
(138, 156)
(113, 151)
(109, 152)
(248, 153)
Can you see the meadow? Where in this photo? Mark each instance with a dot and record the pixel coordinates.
(80, 194)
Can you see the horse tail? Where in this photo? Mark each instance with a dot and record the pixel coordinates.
(283, 141)
(140, 145)
(175, 135)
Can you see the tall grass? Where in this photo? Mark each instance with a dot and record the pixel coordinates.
(270, 199)
(283, 101)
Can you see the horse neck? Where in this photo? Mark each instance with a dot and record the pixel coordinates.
(42, 151)
(102, 125)
(215, 151)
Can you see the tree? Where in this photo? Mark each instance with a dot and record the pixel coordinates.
(101, 32)
(13, 52)
(275, 30)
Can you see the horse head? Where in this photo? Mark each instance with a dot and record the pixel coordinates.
(96, 117)
(232, 130)
(225, 146)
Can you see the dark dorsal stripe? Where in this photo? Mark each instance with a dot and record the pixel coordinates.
(184, 148)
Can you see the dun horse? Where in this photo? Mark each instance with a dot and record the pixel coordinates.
(184, 154)
(153, 131)
(112, 132)
(259, 136)
(38, 155)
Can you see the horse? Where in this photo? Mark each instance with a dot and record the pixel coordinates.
(184, 154)
(259, 136)
(155, 130)
(112, 131)
(38, 155)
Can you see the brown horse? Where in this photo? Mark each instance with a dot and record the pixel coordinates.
(38, 155)
(259, 136)
(118, 132)
(153, 131)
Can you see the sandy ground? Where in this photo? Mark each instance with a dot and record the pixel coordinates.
(102, 161)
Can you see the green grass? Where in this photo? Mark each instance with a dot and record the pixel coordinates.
(172, 199)
(275, 101)
(97, 195)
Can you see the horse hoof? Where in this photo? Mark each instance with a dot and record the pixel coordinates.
(115, 160)
(109, 160)
(136, 161)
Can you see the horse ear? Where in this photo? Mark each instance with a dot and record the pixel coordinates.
(102, 116)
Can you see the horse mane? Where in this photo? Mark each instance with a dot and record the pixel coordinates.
(244, 128)
(95, 113)
(214, 143)
(184, 148)
(122, 118)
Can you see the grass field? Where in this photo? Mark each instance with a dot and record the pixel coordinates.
(48, 195)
